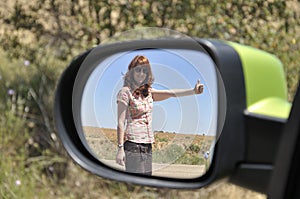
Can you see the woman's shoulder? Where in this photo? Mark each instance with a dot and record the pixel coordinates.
(124, 90)
(124, 95)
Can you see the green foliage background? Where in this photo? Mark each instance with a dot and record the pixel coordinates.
(39, 38)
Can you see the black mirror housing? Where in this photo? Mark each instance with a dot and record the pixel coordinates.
(69, 125)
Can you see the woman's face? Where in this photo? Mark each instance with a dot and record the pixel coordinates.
(139, 74)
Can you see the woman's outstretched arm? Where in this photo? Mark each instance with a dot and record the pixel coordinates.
(159, 95)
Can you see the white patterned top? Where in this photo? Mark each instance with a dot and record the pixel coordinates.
(138, 116)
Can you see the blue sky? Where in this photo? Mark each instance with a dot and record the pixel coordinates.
(172, 69)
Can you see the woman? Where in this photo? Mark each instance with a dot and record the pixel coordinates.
(135, 103)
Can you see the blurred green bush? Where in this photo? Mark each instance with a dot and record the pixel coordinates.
(39, 38)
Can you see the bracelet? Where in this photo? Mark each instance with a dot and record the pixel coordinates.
(120, 146)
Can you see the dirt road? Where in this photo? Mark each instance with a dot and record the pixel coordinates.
(168, 170)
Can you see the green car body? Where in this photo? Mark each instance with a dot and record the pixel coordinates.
(264, 96)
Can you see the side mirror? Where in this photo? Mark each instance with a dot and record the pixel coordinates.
(195, 144)
(185, 128)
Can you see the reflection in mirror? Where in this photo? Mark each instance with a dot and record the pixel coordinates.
(179, 131)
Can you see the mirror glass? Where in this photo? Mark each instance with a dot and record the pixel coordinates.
(184, 128)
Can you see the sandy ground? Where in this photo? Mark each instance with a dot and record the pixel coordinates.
(168, 170)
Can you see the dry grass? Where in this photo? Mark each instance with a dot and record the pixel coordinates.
(162, 139)
(103, 143)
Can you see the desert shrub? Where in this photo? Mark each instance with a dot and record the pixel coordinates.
(190, 160)
(169, 154)
(162, 139)
(194, 148)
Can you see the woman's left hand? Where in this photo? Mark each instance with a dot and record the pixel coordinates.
(198, 88)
